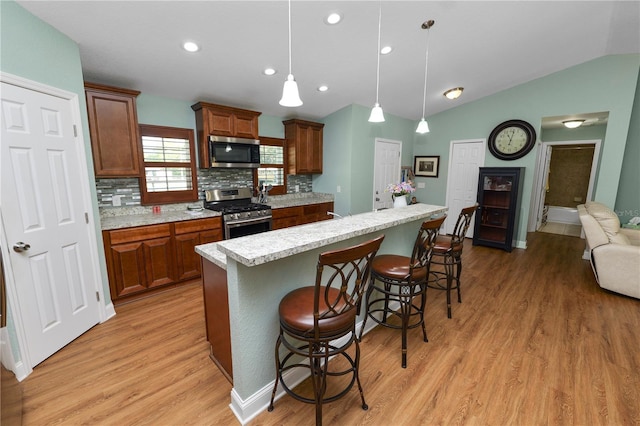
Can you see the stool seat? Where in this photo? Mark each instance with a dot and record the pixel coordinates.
(296, 313)
(446, 243)
(397, 267)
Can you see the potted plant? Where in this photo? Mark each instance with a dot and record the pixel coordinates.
(399, 192)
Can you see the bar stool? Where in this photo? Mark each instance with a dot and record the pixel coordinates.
(319, 322)
(398, 280)
(448, 253)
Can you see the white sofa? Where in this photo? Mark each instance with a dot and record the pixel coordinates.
(614, 252)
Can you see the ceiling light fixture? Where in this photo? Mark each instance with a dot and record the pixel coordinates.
(190, 46)
(572, 124)
(323, 88)
(269, 71)
(423, 126)
(386, 50)
(290, 95)
(333, 18)
(377, 116)
(453, 93)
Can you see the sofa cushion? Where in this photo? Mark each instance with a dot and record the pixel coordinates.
(620, 238)
(606, 217)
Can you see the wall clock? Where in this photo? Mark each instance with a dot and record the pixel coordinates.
(512, 139)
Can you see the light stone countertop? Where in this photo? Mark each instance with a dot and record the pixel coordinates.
(270, 246)
(212, 254)
(127, 217)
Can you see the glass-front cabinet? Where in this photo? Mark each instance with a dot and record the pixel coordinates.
(499, 193)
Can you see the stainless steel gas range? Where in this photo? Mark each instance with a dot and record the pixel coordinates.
(240, 216)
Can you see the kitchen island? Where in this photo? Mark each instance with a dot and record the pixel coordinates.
(262, 268)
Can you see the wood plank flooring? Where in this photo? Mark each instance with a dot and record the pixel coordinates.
(534, 342)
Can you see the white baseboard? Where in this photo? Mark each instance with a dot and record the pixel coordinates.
(109, 312)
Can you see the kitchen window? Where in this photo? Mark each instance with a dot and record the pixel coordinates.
(168, 172)
(272, 165)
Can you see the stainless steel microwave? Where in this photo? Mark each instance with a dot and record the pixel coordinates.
(234, 152)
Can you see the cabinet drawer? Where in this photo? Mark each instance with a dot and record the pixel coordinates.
(198, 225)
(139, 233)
(286, 212)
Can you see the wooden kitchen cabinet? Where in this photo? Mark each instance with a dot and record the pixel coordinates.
(304, 146)
(299, 215)
(188, 235)
(113, 127)
(144, 259)
(139, 259)
(220, 120)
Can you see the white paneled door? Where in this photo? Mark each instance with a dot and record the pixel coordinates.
(386, 170)
(466, 157)
(46, 220)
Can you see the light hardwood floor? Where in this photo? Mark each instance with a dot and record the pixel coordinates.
(534, 342)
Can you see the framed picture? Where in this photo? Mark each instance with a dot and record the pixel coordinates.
(427, 166)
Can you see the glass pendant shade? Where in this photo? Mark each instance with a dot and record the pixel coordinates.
(423, 127)
(377, 116)
(290, 95)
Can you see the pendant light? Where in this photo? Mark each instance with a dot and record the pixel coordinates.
(377, 116)
(290, 95)
(423, 126)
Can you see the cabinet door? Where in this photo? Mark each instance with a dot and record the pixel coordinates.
(246, 125)
(221, 122)
(188, 260)
(158, 257)
(314, 141)
(113, 126)
(128, 271)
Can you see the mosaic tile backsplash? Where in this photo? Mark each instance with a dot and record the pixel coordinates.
(128, 189)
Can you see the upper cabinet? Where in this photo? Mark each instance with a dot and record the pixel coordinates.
(220, 120)
(113, 125)
(304, 146)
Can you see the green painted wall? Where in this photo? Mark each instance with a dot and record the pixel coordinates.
(349, 147)
(628, 197)
(604, 84)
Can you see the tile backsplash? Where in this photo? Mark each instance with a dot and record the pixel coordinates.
(128, 189)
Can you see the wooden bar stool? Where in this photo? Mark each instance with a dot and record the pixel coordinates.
(398, 280)
(319, 322)
(448, 254)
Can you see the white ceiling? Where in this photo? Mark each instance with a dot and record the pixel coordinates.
(484, 46)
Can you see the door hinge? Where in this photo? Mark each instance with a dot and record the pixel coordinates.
(98, 296)
(86, 217)
(75, 131)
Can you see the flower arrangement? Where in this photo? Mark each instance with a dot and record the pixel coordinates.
(400, 189)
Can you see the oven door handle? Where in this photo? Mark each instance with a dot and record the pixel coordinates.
(245, 222)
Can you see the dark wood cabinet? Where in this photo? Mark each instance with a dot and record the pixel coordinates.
(220, 120)
(499, 198)
(304, 146)
(113, 127)
(146, 258)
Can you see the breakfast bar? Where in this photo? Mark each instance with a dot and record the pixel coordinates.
(260, 269)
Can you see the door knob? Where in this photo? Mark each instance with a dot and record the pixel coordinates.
(19, 247)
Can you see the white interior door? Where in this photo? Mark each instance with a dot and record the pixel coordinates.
(465, 159)
(46, 222)
(386, 170)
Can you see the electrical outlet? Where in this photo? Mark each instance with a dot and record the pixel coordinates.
(116, 200)
(338, 189)
(297, 188)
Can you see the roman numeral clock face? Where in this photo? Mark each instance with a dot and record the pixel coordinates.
(512, 139)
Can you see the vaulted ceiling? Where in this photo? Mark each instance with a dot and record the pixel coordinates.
(483, 46)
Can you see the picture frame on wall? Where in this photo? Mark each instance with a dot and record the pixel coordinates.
(426, 166)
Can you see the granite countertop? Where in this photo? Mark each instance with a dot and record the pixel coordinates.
(269, 246)
(126, 217)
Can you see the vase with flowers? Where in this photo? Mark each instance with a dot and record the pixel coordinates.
(399, 192)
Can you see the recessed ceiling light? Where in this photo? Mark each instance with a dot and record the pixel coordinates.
(269, 71)
(333, 18)
(386, 50)
(323, 88)
(190, 46)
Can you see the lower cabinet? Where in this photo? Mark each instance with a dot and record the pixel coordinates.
(216, 312)
(146, 258)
